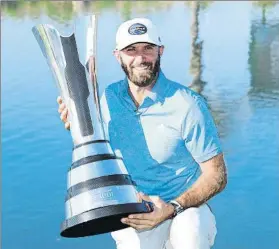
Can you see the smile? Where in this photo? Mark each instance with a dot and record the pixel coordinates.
(141, 68)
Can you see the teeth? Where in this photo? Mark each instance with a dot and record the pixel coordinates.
(141, 68)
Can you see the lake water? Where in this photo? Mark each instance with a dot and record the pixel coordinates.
(237, 70)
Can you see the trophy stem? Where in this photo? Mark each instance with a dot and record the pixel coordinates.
(91, 62)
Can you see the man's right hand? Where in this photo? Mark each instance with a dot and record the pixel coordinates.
(62, 109)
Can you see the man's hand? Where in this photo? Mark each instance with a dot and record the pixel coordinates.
(162, 211)
(62, 109)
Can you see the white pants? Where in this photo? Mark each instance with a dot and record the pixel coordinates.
(194, 228)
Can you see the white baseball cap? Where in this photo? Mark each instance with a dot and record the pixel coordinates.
(137, 30)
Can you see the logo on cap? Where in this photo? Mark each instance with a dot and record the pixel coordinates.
(137, 29)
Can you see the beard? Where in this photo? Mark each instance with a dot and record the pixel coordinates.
(145, 77)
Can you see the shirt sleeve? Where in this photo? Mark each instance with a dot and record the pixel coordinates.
(200, 133)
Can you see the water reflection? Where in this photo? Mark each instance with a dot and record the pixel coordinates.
(196, 63)
(264, 60)
(233, 62)
(64, 11)
(197, 47)
(265, 5)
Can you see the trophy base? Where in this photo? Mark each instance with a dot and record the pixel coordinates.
(100, 220)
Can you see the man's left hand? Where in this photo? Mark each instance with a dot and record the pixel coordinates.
(162, 211)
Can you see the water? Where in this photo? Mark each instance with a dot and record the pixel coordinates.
(236, 69)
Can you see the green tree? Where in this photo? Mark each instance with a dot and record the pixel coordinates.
(265, 5)
(63, 11)
(13, 8)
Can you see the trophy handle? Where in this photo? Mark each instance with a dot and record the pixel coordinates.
(77, 84)
(91, 62)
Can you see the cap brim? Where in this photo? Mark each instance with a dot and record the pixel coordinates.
(125, 44)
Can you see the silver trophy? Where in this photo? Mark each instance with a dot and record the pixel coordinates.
(99, 189)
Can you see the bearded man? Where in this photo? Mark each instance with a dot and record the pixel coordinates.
(169, 144)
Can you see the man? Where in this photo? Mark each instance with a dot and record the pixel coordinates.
(169, 145)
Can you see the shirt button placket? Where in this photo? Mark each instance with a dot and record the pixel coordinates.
(138, 115)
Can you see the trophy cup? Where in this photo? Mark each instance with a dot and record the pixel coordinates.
(99, 189)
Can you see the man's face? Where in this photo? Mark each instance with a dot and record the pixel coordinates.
(141, 62)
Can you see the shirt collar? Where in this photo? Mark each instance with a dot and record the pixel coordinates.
(157, 93)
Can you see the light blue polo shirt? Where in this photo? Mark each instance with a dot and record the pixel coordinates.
(163, 140)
